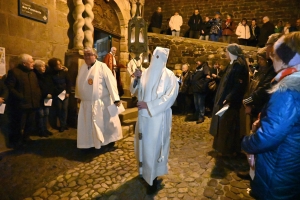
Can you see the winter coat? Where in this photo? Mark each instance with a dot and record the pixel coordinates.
(175, 22)
(258, 89)
(276, 144)
(243, 32)
(229, 28)
(205, 27)
(156, 20)
(24, 89)
(45, 83)
(216, 27)
(61, 82)
(266, 30)
(185, 80)
(254, 32)
(199, 82)
(195, 22)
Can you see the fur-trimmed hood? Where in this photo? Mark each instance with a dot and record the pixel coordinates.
(291, 82)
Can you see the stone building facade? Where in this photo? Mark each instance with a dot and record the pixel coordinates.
(275, 9)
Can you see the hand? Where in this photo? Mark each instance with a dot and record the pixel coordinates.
(137, 73)
(78, 100)
(142, 105)
(2, 100)
(49, 96)
(248, 109)
(214, 76)
(202, 32)
(117, 103)
(67, 95)
(255, 125)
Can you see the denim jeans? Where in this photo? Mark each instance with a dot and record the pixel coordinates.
(43, 113)
(214, 37)
(199, 101)
(61, 108)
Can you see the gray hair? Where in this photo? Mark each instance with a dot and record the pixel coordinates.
(266, 18)
(24, 58)
(91, 50)
(38, 63)
(113, 48)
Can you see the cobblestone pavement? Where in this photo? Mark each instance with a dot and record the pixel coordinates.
(52, 168)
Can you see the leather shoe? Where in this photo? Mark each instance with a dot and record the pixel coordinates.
(200, 121)
(152, 189)
(61, 129)
(48, 132)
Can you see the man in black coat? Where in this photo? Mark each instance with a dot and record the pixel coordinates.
(195, 23)
(24, 99)
(266, 30)
(156, 21)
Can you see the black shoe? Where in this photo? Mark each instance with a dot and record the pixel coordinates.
(61, 129)
(43, 134)
(152, 189)
(244, 175)
(49, 133)
(201, 120)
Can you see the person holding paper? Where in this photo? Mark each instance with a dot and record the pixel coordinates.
(24, 100)
(233, 86)
(156, 92)
(61, 91)
(275, 142)
(46, 86)
(96, 90)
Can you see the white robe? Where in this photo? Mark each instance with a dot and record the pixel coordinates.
(95, 126)
(155, 125)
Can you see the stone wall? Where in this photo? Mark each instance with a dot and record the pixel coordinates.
(185, 50)
(22, 35)
(275, 9)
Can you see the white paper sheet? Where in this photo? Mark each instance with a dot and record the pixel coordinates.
(2, 108)
(47, 102)
(115, 110)
(222, 110)
(62, 95)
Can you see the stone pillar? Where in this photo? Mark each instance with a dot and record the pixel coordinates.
(89, 28)
(78, 24)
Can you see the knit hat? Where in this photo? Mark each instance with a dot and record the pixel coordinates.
(235, 49)
(262, 53)
(273, 38)
(288, 48)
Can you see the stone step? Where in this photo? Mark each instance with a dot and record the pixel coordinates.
(129, 113)
(128, 99)
(131, 121)
(127, 130)
(125, 104)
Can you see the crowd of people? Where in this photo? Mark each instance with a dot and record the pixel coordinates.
(214, 28)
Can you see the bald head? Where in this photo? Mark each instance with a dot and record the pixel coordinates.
(266, 19)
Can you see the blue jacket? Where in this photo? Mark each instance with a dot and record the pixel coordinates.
(276, 144)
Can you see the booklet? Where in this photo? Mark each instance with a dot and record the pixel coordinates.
(2, 108)
(62, 95)
(47, 102)
(115, 110)
(222, 110)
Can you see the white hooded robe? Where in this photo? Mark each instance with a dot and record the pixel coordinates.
(97, 89)
(158, 87)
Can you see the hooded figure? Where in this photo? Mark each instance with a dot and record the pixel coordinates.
(156, 91)
(275, 141)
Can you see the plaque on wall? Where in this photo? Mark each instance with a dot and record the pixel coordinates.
(33, 11)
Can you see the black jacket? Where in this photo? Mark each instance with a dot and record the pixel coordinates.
(3, 89)
(256, 32)
(45, 83)
(199, 82)
(266, 30)
(61, 82)
(258, 90)
(24, 90)
(195, 22)
(156, 20)
(205, 26)
(185, 80)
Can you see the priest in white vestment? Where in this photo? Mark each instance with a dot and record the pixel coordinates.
(156, 93)
(96, 89)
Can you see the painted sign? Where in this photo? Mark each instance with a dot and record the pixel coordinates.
(2, 61)
(33, 11)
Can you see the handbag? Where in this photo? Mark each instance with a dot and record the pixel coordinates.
(212, 86)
